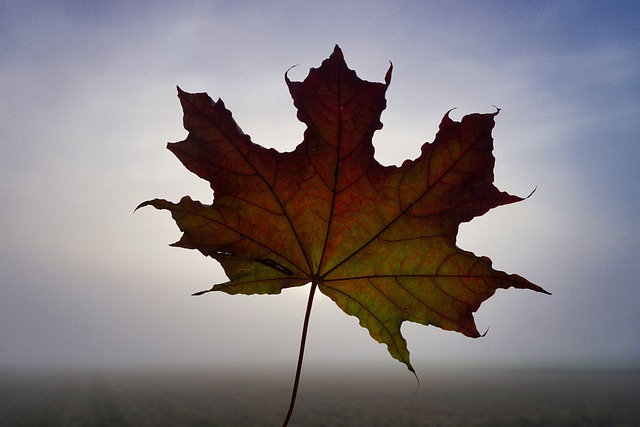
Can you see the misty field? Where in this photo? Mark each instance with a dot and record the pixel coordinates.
(230, 398)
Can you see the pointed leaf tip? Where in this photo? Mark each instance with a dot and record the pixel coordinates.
(387, 77)
(337, 54)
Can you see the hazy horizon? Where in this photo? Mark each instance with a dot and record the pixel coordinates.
(340, 399)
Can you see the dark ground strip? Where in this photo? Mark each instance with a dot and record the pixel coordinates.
(199, 398)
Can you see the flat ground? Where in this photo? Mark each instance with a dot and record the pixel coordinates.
(200, 397)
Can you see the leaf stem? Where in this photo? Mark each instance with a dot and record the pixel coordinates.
(303, 340)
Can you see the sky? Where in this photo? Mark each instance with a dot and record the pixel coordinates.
(88, 102)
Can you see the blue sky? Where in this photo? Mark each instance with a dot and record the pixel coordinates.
(89, 101)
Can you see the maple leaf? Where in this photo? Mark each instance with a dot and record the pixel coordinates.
(378, 240)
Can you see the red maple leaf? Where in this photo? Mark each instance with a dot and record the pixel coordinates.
(378, 240)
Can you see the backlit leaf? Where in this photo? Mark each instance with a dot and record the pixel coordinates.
(378, 240)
